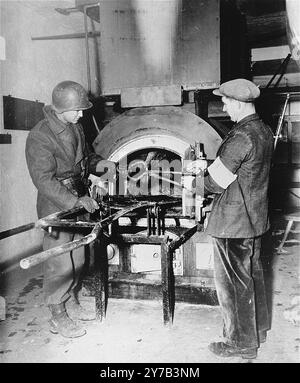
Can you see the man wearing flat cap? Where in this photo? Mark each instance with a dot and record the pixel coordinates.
(239, 179)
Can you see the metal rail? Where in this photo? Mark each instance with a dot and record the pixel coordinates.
(281, 71)
(156, 235)
(280, 121)
(67, 36)
(53, 219)
(16, 230)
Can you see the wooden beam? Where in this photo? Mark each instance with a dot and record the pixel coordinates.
(270, 67)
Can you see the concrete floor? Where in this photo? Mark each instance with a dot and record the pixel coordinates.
(133, 331)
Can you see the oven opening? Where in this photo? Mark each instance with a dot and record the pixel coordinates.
(149, 172)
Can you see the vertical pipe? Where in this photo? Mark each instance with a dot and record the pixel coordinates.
(97, 58)
(95, 123)
(87, 49)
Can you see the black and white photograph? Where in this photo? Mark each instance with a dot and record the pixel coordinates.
(149, 185)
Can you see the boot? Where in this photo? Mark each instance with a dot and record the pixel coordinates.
(262, 336)
(61, 324)
(77, 312)
(225, 350)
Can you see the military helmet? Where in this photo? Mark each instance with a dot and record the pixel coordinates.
(69, 95)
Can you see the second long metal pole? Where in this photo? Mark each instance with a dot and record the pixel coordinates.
(87, 49)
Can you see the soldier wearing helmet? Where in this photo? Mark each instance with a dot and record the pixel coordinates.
(238, 179)
(59, 161)
(69, 96)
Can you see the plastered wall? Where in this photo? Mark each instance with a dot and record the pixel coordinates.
(29, 70)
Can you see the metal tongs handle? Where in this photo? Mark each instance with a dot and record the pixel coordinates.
(35, 259)
(46, 222)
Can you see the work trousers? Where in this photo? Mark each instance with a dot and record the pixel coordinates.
(61, 273)
(241, 290)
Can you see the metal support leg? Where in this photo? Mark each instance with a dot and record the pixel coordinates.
(101, 278)
(149, 229)
(158, 220)
(286, 233)
(168, 283)
(163, 224)
(153, 221)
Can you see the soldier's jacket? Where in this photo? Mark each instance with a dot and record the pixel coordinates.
(56, 151)
(241, 210)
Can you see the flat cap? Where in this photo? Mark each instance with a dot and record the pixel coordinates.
(240, 89)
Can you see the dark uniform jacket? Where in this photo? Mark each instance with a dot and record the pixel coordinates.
(241, 210)
(56, 151)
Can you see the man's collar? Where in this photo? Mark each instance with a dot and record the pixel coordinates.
(56, 125)
(245, 120)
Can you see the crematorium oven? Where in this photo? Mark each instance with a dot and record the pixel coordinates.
(155, 61)
(151, 147)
